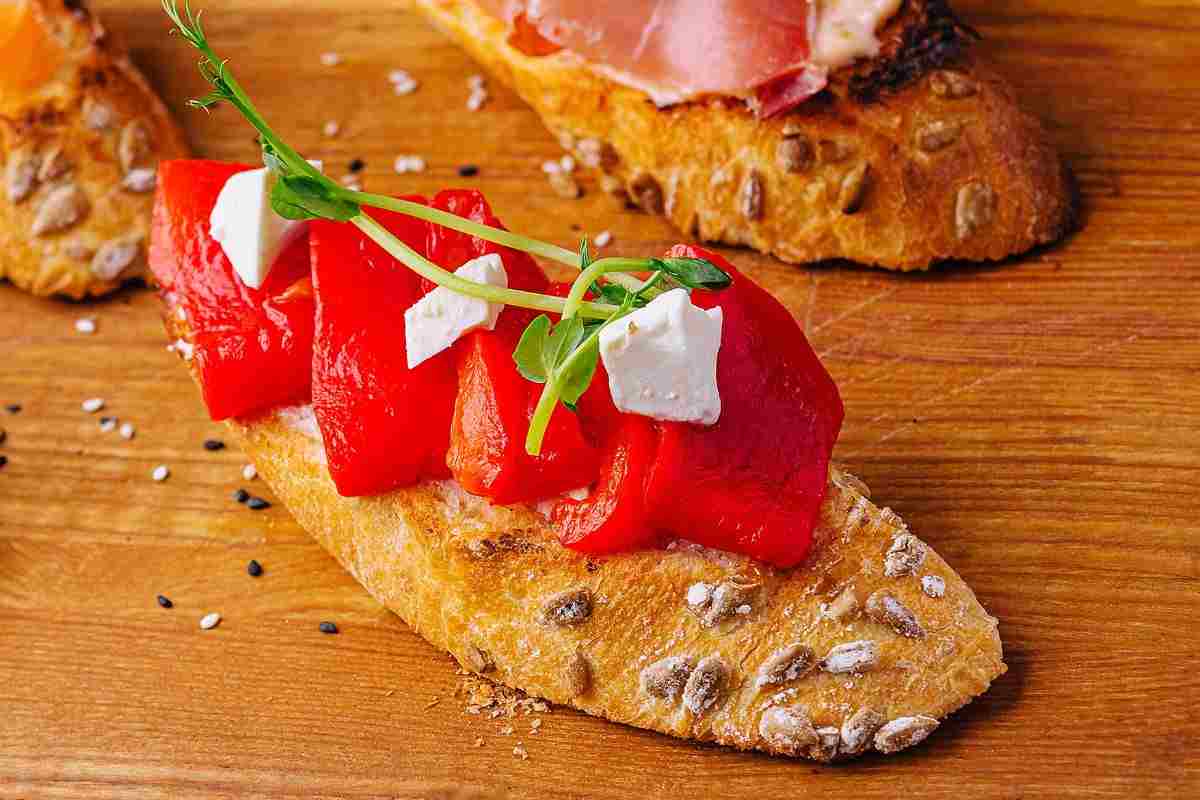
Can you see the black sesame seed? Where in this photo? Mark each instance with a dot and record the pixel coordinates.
(107, 420)
(3, 460)
(13, 408)
(358, 165)
(468, 171)
(3, 436)
(328, 627)
(241, 495)
(165, 601)
(212, 445)
(257, 503)
(254, 568)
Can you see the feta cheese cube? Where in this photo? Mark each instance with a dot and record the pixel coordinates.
(438, 319)
(662, 360)
(250, 233)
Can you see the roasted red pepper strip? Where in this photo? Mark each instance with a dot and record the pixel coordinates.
(753, 483)
(491, 416)
(252, 347)
(384, 425)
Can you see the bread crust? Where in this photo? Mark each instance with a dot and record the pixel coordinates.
(945, 167)
(79, 149)
(493, 586)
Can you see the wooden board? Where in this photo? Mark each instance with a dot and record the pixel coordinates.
(1036, 421)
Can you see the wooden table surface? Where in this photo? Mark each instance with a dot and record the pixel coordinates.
(1036, 421)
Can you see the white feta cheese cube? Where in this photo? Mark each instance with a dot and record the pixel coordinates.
(250, 233)
(662, 360)
(438, 319)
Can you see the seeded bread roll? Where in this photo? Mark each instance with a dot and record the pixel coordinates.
(918, 156)
(81, 133)
(866, 646)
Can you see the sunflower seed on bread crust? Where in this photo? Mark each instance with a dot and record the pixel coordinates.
(904, 732)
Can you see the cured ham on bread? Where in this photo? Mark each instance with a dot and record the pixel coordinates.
(81, 133)
(868, 130)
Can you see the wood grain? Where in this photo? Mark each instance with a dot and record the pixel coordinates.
(1035, 421)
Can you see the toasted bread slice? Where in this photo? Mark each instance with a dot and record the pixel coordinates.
(916, 157)
(81, 133)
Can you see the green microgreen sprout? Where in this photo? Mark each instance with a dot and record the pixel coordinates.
(562, 356)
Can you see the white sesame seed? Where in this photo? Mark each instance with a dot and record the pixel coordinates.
(160, 473)
(330, 59)
(331, 129)
(92, 404)
(567, 163)
(479, 96)
(603, 239)
(210, 621)
(402, 82)
(476, 81)
(249, 472)
(127, 430)
(404, 164)
(108, 424)
(85, 325)
(551, 167)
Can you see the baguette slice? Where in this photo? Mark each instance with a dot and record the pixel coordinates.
(81, 133)
(842, 655)
(916, 157)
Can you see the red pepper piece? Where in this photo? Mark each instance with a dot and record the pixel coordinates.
(754, 482)
(491, 417)
(252, 347)
(384, 425)
(451, 249)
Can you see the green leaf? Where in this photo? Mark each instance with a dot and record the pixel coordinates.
(576, 378)
(529, 355)
(694, 273)
(305, 197)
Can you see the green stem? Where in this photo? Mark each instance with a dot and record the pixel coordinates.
(457, 223)
(493, 294)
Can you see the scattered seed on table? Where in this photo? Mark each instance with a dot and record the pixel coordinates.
(249, 472)
(332, 129)
(241, 495)
(328, 627)
(254, 568)
(108, 424)
(358, 165)
(213, 445)
(209, 621)
(127, 430)
(165, 601)
(330, 59)
(257, 504)
(160, 473)
(3, 436)
(85, 325)
(92, 404)
(3, 461)
(603, 238)
(406, 164)
(13, 408)
(468, 171)
(402, 82)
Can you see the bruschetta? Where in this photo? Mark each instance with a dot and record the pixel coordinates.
(867, 130)
(81, 133)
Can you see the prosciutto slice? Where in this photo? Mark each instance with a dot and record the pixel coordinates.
(676, 50)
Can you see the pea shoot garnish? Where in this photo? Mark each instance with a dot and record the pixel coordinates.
(562, 356)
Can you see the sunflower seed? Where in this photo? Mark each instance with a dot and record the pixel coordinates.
(904, 732)
(938, 135)
(647, 193)
(904, 556)
(60, 209)
(787, 729)
(55, 163)
(933, 585)
(786, 664)
(705, 684)
(858, 730)
(722, 602)
(794, 154)
(857, 656)
(843, 607)
(114, 257)
(886, 609)
(854, 188)
(572, 607)
(20, 174)
(750, 196)
(578, 675)
(827, 745)
(952, 85)
(666, 678)
(134, 145)
(974, 208)
(140, 180)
